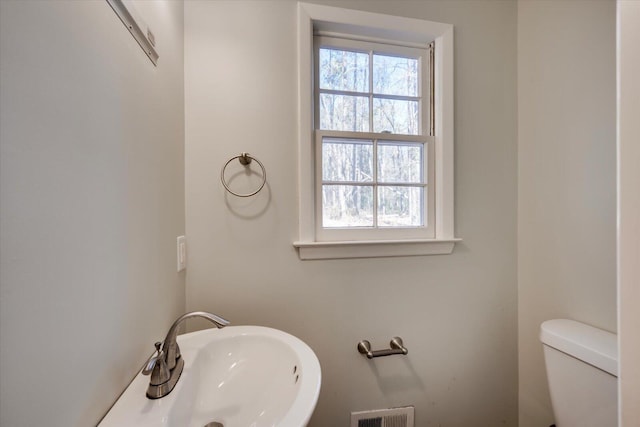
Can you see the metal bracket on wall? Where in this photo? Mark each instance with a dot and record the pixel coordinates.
(397, 347)
(136, 26)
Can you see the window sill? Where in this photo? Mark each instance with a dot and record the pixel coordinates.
(374, 248)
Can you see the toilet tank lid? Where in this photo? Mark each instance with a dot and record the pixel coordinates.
(591, 345)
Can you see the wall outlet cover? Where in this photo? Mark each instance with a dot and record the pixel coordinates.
(182, 253)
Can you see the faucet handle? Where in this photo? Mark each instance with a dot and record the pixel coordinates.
(157, 366)
(151, 363)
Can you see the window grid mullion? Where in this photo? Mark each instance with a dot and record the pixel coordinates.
(350, 183)
(369, 136)
(370, 94)
(375, 145)
(342, 92)
(375, 183)
(372, 184)
(432, 89)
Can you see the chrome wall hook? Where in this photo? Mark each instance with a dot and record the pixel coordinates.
(396, 344)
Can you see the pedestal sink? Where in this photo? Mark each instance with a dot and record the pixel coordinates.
(239, 376)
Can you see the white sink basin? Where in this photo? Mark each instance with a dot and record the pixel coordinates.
(239, 376)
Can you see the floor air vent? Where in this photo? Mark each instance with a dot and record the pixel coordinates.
(394, 417)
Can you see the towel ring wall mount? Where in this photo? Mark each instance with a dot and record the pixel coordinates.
(245, 159)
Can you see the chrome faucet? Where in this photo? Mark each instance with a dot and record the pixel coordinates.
(166, 365)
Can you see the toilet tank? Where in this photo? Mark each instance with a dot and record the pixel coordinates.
(582, 369)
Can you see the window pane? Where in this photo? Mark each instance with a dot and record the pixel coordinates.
(347, 160)
(396, 116)
(394, 75)
(400, 206)
(400, 162)
(344, 70)
(342, 112)
(347, 206)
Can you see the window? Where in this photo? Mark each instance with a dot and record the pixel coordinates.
(376, 135)
(374, 148)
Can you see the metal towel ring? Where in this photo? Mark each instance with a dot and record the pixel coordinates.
(245, 159)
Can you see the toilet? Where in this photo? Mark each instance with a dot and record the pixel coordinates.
(582, 369)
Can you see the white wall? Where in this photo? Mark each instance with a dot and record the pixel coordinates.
(566, 179)
(456, 313)
(629, 209)
(91, 191)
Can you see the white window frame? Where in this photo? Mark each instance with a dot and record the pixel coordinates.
(383, 29)
(378, 233)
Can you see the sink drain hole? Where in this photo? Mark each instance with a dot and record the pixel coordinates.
(214, 424)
